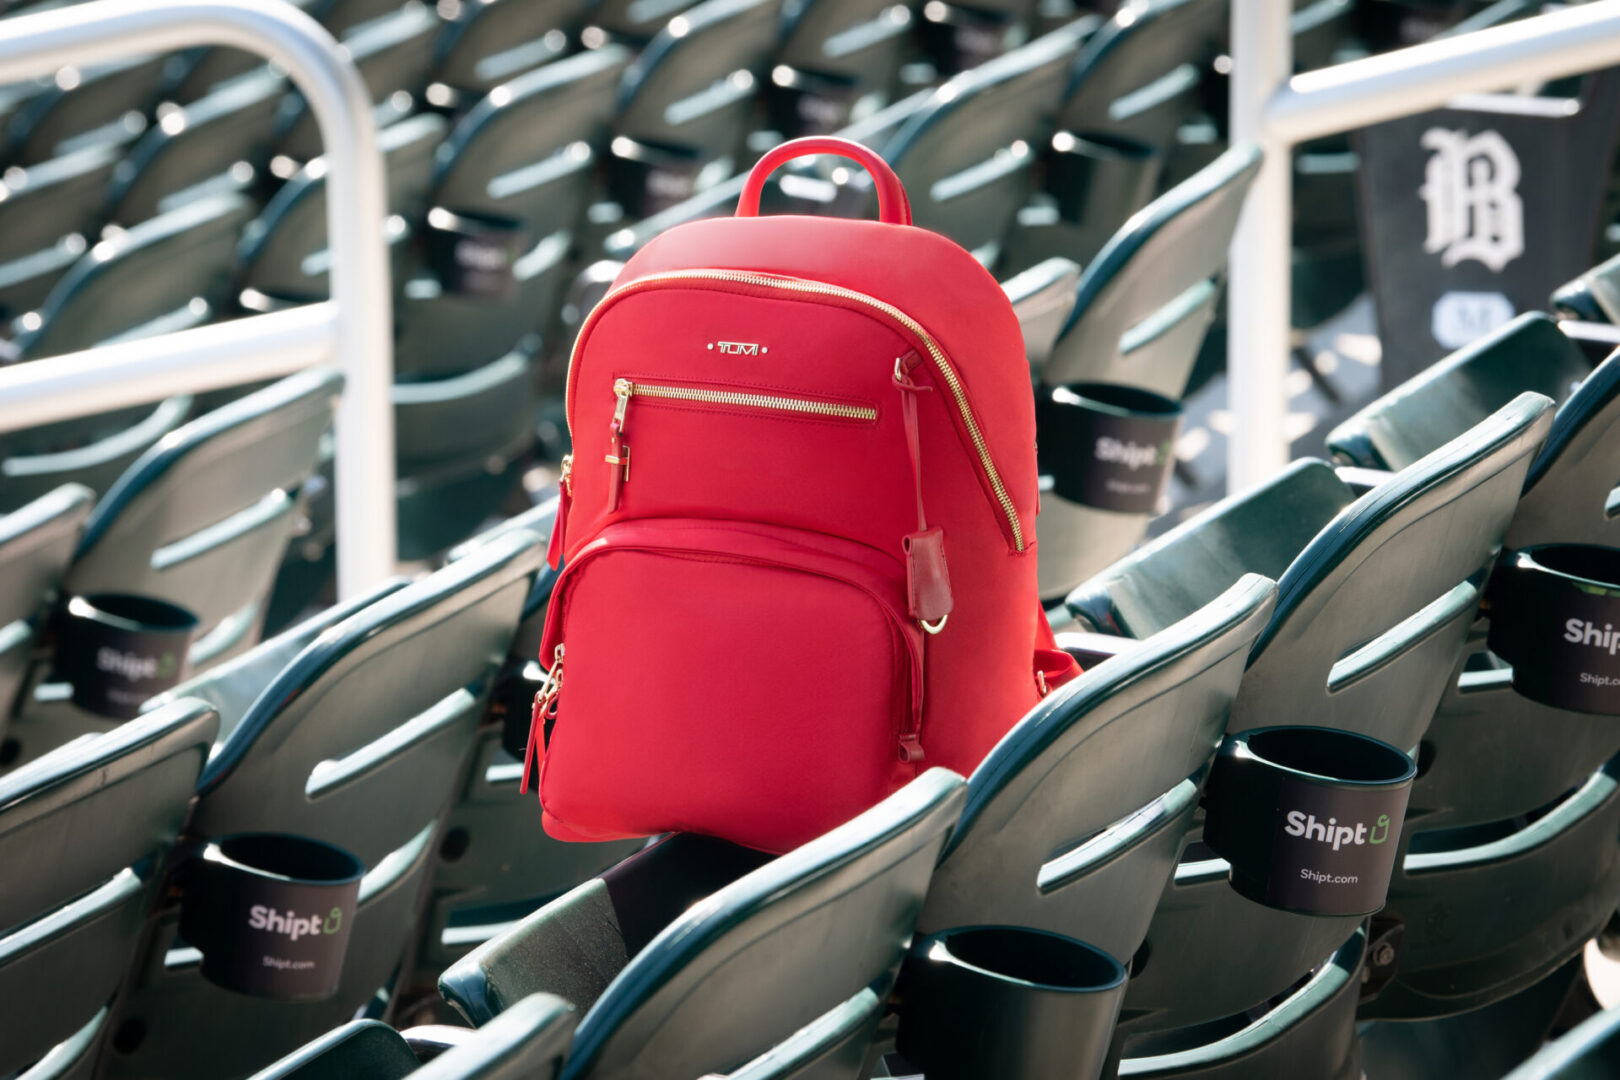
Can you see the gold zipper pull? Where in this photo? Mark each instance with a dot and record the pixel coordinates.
(618, 453)
(541, 716)
(565, 502)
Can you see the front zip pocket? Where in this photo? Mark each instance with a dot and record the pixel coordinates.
(743, 680)
(762, 402)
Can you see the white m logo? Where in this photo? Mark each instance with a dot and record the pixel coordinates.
(1471, 188)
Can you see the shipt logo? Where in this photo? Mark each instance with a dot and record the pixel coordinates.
(1132, 455)
(1581, 632)
(1331, 832)
(133, 667)
(291, 925)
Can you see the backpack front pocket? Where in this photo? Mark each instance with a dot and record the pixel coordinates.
(748, 681)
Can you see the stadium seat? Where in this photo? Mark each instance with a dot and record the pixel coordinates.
(497, 860)
(1139, 315)
(684, 102)
(359, 742)
(1136, 82)
(36, 542)
(967, 158)
(460, 442)
(394, 54)
(678, 990)
(837, 61)
(48, 201)
(1309, 1031)
(90, 825)
(1491, 755)
(1075, 820)
(164, 274)
(1041, 297)
(106, 103)
(1592, 297)
(196, 143)
(525, 152)
(527, 1042)
(630, 22)
(283, 251)
(1364, 638)
(38, 460)
(495, 41)
(1590, 1051)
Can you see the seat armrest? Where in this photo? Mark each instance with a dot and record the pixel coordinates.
(428, 1041)
(1360, 480)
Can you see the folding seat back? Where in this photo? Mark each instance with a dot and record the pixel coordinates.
(36, 541)
(55, 198)
(1075, 820)
(1146, 300)
(527, 1042)
(283, 251)
(1372, 610)
(694, 83)
(506, 156)
(83, 834)
(1041, 297)
(857, 39)
(1594, 296)
(196, 143)
(202, 518)
(1588, 1052)
(394, 54)
(82, 451)
(735, 973)
(967, 157)
(491, 43)
(164, 274)
(1139, 78)
(102, 103)
(359, 742)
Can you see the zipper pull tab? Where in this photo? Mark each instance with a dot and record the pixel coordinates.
(928, 580)
(618, 454)
(565, 502)
(543, 713)
(911, 750)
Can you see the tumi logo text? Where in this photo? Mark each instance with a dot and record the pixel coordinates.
(1132, 455)
(740, 348)
(292, 925)
(1331, 832)
(1581, 632)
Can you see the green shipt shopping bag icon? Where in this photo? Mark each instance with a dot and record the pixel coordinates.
(1380, 830)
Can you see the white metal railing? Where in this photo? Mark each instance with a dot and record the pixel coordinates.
(1278, 110)
(353, 330)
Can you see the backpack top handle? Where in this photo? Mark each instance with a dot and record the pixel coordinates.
(893, 206)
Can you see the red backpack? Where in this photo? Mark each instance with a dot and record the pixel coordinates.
(798, 528)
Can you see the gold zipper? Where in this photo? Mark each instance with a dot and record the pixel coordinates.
(625, 389)
(818, 288)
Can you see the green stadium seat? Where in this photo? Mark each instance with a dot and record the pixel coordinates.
(1491, 755)
(1139, 315)
(491, 43)
(528, 1042)
(394, 54)
(360, 741)
(46, 202)
(105, 103)
(166, 273)
(968, 156)
(1589, 1052)
(1041, 297)
(675, 990)
(198, 144)
(92, 824)
(283, 251)
(525, 153)
(838, 60)
(81, 452)
(1075, 820)
(687, 98)
(1592, 297)
(36, 542)
(1364, 638)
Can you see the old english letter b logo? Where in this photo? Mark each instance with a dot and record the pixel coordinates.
(1471, 188)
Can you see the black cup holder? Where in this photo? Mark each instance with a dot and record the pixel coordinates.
(648, 178)
(1008, 1002)
(473, 254)
(119, 650)
(271, 914)
(1555, 616)
(1107, 446)
(812, 103)
(1101, 177)
(1309, 818)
